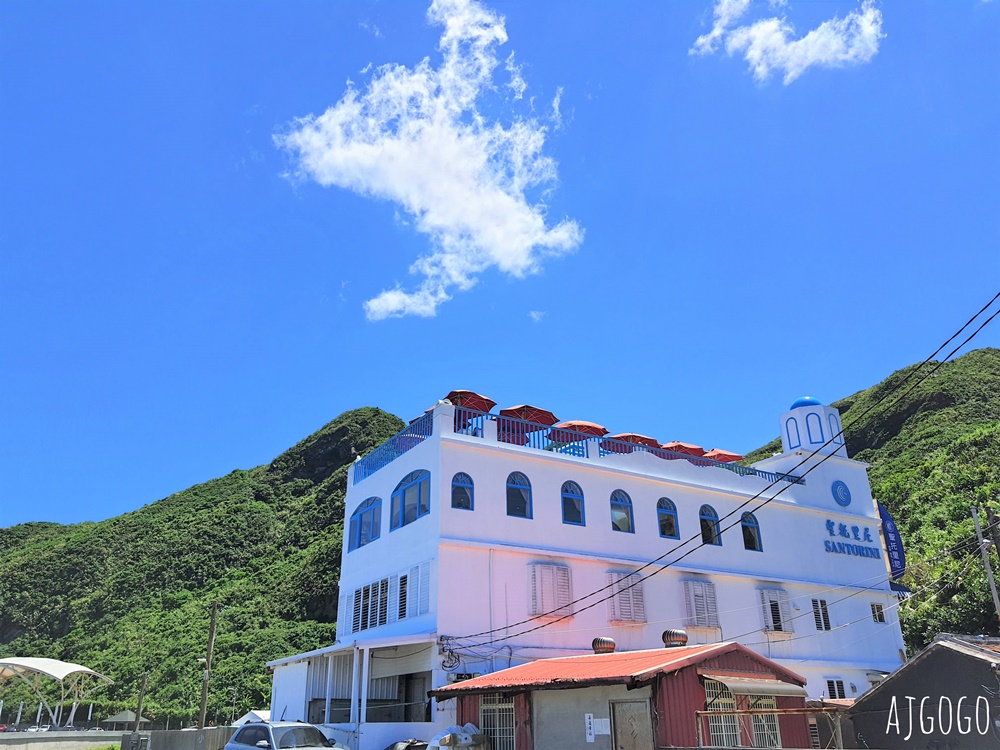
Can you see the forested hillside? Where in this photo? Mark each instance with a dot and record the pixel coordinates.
(132, 594)
(934, 453)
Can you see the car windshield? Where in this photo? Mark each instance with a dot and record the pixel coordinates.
(285, 737)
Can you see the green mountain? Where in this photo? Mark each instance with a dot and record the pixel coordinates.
(934, 453)
(131, 594)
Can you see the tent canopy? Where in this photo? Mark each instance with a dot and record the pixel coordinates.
(124, 717)
(57, 670)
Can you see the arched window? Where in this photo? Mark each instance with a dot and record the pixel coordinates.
(709, 526)
(751, 533)
(462, 491)
(666, 515)
(792, 431)
(366, 523)
(814, 428)
(621, 512)
(518, 495)
(835, 434)
(411, 499)
(572, 504)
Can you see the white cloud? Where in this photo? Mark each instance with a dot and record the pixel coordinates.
(371, 29)
(516, 82)
(536, 316)
(726, 11)
(415, 136)
(769, 45)
(556, 115)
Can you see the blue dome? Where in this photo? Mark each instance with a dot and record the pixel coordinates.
(807, 401)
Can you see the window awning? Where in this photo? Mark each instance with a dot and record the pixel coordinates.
(757, 686)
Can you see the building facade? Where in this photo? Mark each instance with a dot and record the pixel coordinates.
(475, 542)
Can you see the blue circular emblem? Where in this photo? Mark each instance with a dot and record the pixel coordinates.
(841, 494)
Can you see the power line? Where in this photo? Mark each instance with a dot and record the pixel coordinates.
(855, 419)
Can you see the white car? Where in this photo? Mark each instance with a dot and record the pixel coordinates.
(279, 735)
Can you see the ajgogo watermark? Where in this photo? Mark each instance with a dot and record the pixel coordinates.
(962, 716)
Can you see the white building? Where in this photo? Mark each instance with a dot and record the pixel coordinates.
(466, 548)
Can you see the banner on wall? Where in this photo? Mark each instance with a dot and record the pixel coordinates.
(893, 544)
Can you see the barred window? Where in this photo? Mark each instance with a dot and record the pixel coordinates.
(496, 720)
(835, 689)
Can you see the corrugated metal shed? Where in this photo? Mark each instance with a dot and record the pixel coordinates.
(625, 667)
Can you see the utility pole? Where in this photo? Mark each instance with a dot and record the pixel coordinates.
(208, 664)
(142, 697)
(984, 547)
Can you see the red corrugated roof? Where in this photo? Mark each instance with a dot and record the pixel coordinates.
(589, 669)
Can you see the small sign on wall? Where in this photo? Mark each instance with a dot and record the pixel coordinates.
(588, 720)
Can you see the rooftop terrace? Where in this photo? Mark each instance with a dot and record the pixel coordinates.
(534, 436)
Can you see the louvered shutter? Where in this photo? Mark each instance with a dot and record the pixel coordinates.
(613, 613)
(404, 580)
(711, 610)
(343, 619)
(817, 615)
(356, 619)
(689, 603)
(413, 592)
(534, 605)
(563, 589)
(786, 612)
(638, 602)
(425, 589)
(392, 601)
(765, 609)
(624, 597)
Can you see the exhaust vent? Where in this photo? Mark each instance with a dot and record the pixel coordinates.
(603, 645)
(674, 637)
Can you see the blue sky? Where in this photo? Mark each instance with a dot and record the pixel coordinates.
(225, 223)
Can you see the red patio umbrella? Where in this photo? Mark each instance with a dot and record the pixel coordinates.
(528, 413)
(688, 449)
(509, 431)
(614, 443)
(579, 425)
(717, 454)
(471, 400)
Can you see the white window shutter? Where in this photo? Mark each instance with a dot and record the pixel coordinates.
(393, 602)
(563, 589)
(711, 609)
(425, 588)
(692, 618)
(343, 618)
(534, 605)
(413, 591)
(613, 613)
(786, 612)
(765, 609)
(638, 602)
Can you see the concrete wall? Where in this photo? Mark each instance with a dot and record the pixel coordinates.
(558, 720)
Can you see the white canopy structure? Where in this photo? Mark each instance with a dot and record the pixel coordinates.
(73, 679)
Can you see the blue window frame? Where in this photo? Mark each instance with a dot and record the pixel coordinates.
(709, 526)
(411, 499)
(666, 517)
(366, 523)
(751, 533)
(462, 491)
(518, 495)
(621, 512)
(572, 504)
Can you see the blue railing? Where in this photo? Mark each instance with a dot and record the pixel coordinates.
(413, 434)
(538, 437)
(583, 445)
